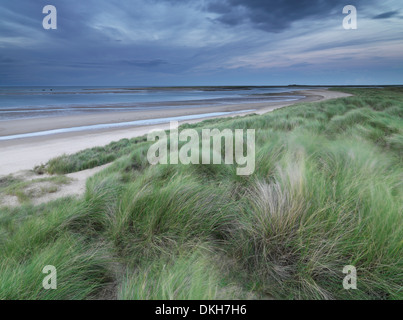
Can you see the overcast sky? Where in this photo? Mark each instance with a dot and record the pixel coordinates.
(200, 42)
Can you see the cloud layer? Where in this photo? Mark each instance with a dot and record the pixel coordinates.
(173, 42)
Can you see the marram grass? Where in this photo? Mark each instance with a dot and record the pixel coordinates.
(327, 192)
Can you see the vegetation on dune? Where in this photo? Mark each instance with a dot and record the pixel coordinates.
(327, 192)
(89, 158)
(30, 189)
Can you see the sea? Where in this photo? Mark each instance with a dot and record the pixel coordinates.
(39, 102)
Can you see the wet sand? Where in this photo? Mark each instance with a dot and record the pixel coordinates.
(24, 154)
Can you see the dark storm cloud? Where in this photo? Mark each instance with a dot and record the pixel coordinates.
(275, 15)
(79, 48)
(386, 15)
(159, 41)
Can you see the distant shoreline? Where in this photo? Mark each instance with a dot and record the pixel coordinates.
(37, 102)
(171, 109)
(24, 154)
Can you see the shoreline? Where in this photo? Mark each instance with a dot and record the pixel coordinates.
(26, 153)
(108, 126)
(175, 109)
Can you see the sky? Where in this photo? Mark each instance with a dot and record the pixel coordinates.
(201, 42)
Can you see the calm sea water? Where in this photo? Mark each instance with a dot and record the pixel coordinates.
(32, 102)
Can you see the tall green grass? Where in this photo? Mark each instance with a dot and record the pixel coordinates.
(327, 192)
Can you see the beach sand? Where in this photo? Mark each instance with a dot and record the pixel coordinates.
(26, 153)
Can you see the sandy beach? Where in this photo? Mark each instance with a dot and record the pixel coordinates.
(26, 153)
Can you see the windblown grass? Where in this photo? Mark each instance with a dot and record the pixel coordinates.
(89, 158)
(27, 190)
(327, 192)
